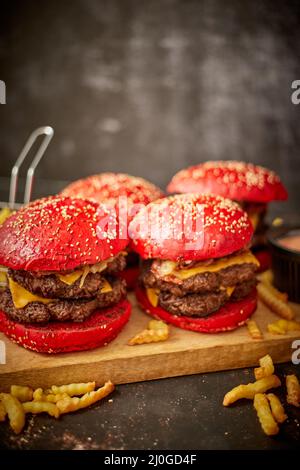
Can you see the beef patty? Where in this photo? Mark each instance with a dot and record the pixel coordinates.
(62, 310)
(49, 285)
(202, 305)
(200, 283)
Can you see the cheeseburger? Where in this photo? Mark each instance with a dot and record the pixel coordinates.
(199, 274)
(252, 186)
(108, 189)
(59, 290)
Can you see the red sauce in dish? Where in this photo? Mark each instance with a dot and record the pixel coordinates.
(291, 242)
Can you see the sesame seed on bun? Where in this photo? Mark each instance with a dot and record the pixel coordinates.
(231, 179)
(190, 227)
(57, 234)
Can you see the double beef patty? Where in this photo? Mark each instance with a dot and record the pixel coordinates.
(70, 302)
(202, 294)
(62, 310)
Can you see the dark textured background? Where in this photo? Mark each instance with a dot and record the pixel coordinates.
(147, 87)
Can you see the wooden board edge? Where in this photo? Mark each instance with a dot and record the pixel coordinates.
(144, 368)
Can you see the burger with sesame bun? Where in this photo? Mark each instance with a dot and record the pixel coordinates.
(252, 186)
(61, 292)
(111, 189)
(198, 272)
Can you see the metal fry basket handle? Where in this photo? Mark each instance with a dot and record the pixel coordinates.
(47, 132)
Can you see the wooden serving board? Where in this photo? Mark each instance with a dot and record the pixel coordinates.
(183, 354)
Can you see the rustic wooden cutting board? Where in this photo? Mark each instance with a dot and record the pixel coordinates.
(183, 354)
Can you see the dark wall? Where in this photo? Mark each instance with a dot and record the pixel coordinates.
(149, 86)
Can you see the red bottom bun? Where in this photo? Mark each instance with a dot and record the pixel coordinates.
(131, 276)
(264, 257)
(230, 316)
(57, 337)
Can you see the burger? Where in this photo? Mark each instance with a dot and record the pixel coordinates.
(198, 273)
(60, 291)
(112, 189)
(252, 186)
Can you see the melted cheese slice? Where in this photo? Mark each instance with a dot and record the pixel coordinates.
(152, 295)
(229, 290)
(21, 297)
(3, 279)
(70, 278)
(106, 287)
(246, 257)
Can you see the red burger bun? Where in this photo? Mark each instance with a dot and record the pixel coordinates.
(107, 187)
(59, 337)
(239, 181)
(58, 234)
(227, 318)
(224, 228)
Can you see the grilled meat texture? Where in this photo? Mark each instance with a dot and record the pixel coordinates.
(62, 310)
(200, 283)
(51, 287)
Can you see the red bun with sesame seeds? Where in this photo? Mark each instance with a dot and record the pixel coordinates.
(199, 274)
(58, 234)
(107, 188)
(239, 181)
(212, 227)
(59, 284)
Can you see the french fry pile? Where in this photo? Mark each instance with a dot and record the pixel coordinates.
(156, 331)
(55, 401)
(277, 302)
(270, 411)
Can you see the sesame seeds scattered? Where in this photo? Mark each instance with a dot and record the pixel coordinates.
(237, 180)
(56, 233)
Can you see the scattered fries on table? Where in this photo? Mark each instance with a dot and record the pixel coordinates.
(293, 390)
(276, 408)
(267, 421)
(250, 390)
(281, 327)
(156, 331)
(254, 330)
(266, 367)
(278, 306)
(270, 410)
(55, 401)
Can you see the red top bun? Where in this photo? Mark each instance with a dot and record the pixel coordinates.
(236, 180)
(215, 226)
(57, 234)
(107, 187)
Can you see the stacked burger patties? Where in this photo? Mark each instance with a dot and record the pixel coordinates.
(209, 285)
(61, 261)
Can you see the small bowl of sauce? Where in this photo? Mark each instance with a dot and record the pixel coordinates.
(285, 251)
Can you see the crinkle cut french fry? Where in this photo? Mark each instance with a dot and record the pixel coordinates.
(251, 389)
(74, 389)
(293, 390)
(282, 326)
(276, 408)
(39, 395)
(21, 393)
(276, 305)
(254, 330)
(73, 404)
(36, 407)
(266, 277)
(266, 367)
(156, 331)
(14, 411)
(2, 412)
(267, 421)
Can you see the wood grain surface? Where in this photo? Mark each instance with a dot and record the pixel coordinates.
(184, 353)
